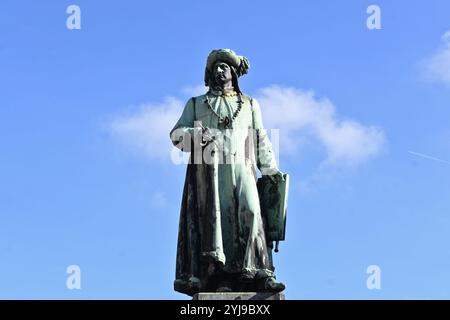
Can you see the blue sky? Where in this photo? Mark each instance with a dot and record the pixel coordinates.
(85, 155)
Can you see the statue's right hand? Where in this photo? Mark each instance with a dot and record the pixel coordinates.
(207, 135)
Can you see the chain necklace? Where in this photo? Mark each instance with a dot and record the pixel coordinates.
(226, 120)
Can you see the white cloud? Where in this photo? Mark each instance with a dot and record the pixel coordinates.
(300, 116)
(446, 37)
(437, 67)
(193, 91)
(147, 130)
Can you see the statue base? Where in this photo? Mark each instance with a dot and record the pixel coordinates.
(239, 296)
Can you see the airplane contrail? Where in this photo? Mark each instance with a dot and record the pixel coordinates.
(428, 157)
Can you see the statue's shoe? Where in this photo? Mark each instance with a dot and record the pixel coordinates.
(190, 286)
(272, 285)
(247, 276)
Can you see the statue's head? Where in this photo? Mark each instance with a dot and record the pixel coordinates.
(224, 65)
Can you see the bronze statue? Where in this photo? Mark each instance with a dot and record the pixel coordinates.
(222, 241)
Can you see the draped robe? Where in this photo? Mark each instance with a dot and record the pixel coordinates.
(220, 218)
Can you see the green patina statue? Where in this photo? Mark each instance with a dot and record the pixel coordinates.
(223, 242)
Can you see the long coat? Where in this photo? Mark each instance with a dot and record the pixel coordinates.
(221, 230)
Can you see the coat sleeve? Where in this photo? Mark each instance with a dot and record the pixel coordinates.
(182, 134)
(265, 158)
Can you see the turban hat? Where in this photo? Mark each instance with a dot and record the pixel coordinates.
(239, 63)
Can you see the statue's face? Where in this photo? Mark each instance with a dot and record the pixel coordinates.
(222, 72)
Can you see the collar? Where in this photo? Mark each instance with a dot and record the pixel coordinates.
(222, 93)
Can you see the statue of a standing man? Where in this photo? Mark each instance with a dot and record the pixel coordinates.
(222, 245)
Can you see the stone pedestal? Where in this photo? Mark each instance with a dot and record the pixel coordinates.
(238, 296)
